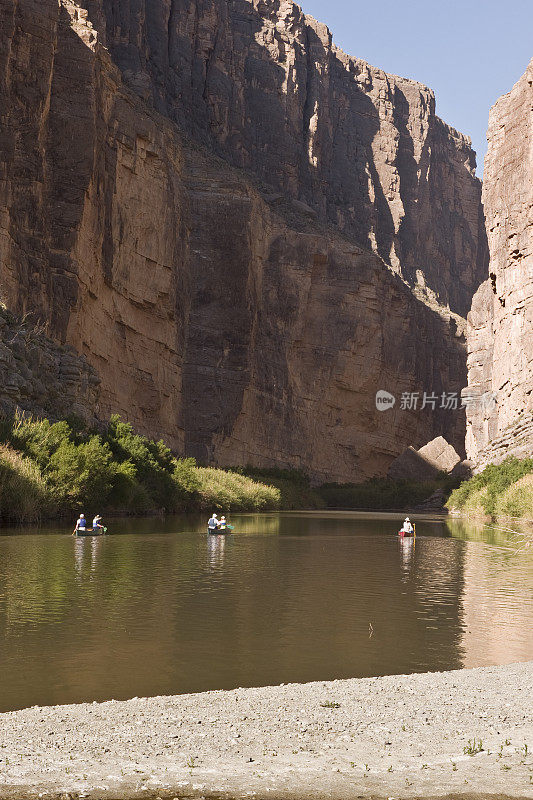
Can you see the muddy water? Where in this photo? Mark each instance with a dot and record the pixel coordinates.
(160, 608)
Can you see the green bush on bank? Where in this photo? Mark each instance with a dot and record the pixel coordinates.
(500, 490)
(57, 468)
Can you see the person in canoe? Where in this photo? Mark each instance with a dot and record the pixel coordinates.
(406, 529)
(213, 524)
(97, 525)
(81, 524)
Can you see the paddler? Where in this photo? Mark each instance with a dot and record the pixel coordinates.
(81, 524)
(97, 526)
(223, 523)
(213, 523)
(407, 528)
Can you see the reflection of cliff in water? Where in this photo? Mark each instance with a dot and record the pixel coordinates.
(290, 597)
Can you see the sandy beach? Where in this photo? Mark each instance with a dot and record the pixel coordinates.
(395, 736)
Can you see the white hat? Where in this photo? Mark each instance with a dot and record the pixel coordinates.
(407, 519)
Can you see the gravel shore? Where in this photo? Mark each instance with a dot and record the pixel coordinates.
(393, 737)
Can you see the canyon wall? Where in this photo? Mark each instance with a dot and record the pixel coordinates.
(224, 304)
(500, 324)
(265, 86)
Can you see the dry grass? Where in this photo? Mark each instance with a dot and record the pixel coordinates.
(474, 505)
(517, 499)
(23, 493)
(234, 492)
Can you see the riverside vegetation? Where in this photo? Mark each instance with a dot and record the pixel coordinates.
(502, 490)
(49, 469)
(52, 469)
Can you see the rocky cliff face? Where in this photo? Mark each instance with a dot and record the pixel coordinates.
(264, 85)
(41, 378)
(227, 316)
(500, 324)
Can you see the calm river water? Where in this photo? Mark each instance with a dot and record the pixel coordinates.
(161, 608)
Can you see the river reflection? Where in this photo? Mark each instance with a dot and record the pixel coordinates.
(162, 608)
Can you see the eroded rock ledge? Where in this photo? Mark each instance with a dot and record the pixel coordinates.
(400, 736)
(41, 378)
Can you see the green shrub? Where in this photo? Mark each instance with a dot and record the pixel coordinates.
(38, 439)
(81, 473)
(187, 483)
(153, 462)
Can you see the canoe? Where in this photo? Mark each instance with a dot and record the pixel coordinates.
(91, 533)
(220, 532)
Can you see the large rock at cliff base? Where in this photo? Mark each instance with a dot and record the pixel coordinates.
(426, 463)
(439, 453)
(500, 324)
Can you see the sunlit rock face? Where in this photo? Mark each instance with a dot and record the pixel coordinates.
(500, 324)
(264, 84)
(244, 315)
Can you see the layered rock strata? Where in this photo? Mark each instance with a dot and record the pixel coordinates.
(500, 324)
(265, 86)
(228, 318)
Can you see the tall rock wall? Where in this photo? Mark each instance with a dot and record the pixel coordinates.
(264, 84)
(225, 316)
(500, 324)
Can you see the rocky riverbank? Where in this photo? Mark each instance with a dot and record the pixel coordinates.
(467, 732)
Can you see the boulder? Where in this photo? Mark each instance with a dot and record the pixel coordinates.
(426, 463)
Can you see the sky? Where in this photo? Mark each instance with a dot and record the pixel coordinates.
(468, 52)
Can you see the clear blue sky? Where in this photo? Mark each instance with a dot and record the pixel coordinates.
(468, 52)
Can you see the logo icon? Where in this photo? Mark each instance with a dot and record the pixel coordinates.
(384, 400)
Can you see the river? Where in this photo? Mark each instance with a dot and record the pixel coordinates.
(161, 608)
